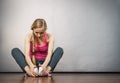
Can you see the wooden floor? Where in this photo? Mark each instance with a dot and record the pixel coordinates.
(62, 78)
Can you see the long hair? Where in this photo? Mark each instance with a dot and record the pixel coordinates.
(38, 23)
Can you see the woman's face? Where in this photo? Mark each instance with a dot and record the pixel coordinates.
(39, 32)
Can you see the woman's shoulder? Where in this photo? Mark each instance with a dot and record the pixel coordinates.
(28, 36)
(50, 36)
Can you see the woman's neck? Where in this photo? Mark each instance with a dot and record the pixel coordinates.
(39, 40)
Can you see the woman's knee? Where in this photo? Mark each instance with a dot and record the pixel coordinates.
(60, 50)
(15, 50)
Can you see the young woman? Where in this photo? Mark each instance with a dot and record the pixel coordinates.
(38, 58)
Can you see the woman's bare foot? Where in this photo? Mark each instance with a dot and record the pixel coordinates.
(45, 73)
(28, 71)
(48, 69)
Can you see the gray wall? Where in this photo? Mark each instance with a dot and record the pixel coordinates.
(88, 30)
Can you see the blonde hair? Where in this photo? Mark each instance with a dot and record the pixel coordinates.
(39, 23)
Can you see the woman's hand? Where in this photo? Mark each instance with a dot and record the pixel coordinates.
(33, 73)
(43, 72)
(28, 71)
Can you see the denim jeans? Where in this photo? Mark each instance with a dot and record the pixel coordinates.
(20, 58)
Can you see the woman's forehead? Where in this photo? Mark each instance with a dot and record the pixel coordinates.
(39, 30)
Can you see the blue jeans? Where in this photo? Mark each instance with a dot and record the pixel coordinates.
(20, 58)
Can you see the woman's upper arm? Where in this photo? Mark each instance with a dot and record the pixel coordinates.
(51, 44)
(27, 45)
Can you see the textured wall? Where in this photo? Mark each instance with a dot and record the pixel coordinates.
(88, 30)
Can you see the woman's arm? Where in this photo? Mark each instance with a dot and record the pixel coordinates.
(27, 50)
(27, 56)
(50, 51)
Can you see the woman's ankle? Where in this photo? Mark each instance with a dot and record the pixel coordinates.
(26, 68)
(48, 69)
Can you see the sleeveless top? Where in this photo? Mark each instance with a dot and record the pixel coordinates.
(40, 51)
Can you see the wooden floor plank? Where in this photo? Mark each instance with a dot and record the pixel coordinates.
(61, 78)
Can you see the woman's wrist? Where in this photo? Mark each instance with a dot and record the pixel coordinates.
(32, 66)
(43, 67)
(26, 68)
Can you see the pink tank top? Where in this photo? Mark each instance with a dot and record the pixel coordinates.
(41, 51)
